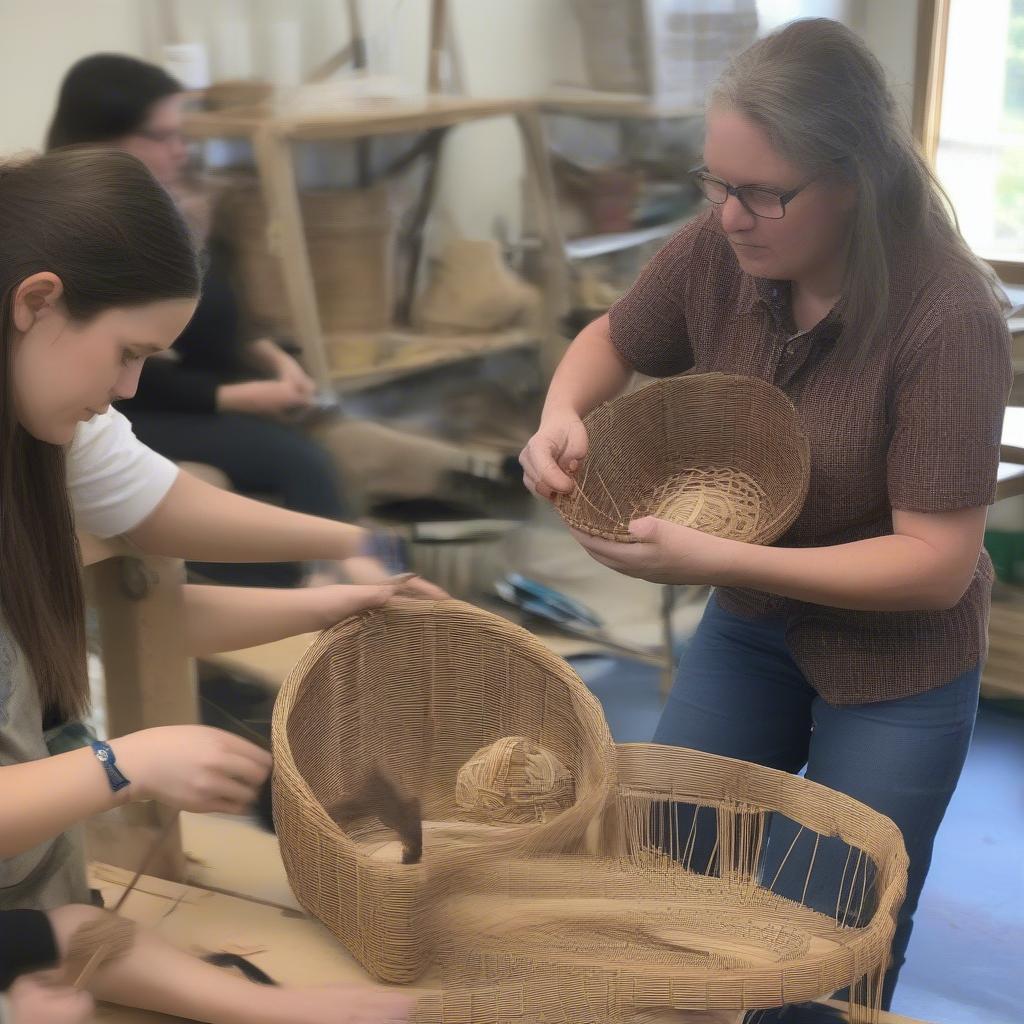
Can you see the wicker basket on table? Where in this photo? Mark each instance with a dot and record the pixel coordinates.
(718, 452)
(416, 689)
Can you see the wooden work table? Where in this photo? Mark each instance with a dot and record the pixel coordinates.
(239, 901)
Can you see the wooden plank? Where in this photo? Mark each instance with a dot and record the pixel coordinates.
(288, 241)
(149, 682)
(1011, 448)
(415, 235)
(1009, 481)
(388, 117)
(593, 103)
(354, 119)
(438, 34)
(929, 74)
(926, 13)
(360, 360)
(555, 284)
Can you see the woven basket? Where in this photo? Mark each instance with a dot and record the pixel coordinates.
(722, 453)
(416, 689)
(350, 236)
(675, 880)
(636, 932)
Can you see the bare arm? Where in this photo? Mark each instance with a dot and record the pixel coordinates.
(926, 564)
(191, 767)
(96, 549)
(41, 799)
(199, 522)
(263, 354)
(591, 372)
(233, 618)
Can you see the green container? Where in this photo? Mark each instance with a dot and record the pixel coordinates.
(1006, 549)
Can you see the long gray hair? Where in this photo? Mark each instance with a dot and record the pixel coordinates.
(821, 97)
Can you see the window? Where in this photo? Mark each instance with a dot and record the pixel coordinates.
(972, 120)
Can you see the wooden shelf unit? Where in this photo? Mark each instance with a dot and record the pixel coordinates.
(271, 131)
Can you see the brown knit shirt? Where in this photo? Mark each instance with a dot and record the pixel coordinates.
(916, 428)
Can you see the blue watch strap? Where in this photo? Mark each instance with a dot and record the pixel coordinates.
(105, 755)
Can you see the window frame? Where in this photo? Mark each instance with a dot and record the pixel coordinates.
(929, 72)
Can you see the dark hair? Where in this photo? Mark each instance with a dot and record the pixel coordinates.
(821, 97)
(105, 97)
(100, 222)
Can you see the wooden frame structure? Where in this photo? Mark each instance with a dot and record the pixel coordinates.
(271, 136)
(929, 80)
(149, 682)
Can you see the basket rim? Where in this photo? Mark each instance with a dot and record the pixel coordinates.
(796, 980)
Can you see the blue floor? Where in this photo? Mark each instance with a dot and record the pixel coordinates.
(965, 964)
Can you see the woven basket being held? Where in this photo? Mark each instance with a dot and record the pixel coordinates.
(415, 690)
(718, 452)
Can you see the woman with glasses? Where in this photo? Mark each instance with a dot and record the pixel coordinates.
(830, 265)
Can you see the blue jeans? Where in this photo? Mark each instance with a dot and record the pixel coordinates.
(738, 693)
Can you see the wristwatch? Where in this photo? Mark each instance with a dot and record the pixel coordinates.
(105, 755)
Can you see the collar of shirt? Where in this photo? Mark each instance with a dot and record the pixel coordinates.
(795, 351)
(761, 293)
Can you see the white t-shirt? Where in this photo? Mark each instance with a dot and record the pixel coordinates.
(114, 480)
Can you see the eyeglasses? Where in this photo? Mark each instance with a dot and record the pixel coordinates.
(759, 200)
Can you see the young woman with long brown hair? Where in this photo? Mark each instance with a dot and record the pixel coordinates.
(97, 270)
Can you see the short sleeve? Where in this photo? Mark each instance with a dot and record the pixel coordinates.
(648, 324)
(113, 479)
(948, 406)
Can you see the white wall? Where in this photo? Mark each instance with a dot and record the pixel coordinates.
(890, 28)
(39, 42)
(508, 47)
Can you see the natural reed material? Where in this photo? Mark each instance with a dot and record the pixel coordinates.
(676, 880)
(97, 943)
(378, 798)
(350, 234)
(651, 922)
(723, 502)
(110, 937)
(513, 780)
(718, 452)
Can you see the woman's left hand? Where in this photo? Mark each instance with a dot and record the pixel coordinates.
(364, 570)
(666, 553)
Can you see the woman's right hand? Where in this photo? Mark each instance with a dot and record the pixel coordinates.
(554, 454)
(192, 768)
(263, 397)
